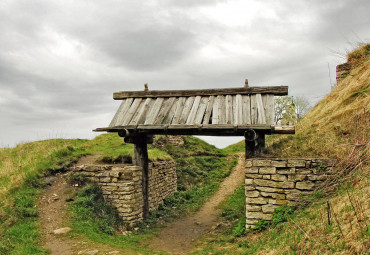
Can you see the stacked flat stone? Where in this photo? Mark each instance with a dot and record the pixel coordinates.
(121, 185)
(270, 183)
(162, 182)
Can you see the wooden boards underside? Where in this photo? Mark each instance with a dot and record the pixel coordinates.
(255, 109)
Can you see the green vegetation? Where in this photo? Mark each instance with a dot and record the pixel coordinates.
(21, 172)
(206, 172)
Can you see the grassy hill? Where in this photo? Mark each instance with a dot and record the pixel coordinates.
(200, 169)
(337, 127)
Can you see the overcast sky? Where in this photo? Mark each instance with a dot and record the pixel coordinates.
(61, 61)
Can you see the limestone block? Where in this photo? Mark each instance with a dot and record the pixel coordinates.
(307, 185)
(254, 176)
(248, 181)
(308, 163)
(269, 208)
(248, 163)
(266, 177)
(277, 201)
(104, 179)
(258, 215)
(279, 178)
(304, 171)
(268, 189)
(285, 185)
(297, 177)
(273, 195)
(265, 183)
(251, 170)
(253, 208)
(289, 170)
(267, 170)
(249, 188)
(251, 221)
(296, 163)
(279, 163)
(256, 200)
(261, 162)
(252, 193)
(114, 174)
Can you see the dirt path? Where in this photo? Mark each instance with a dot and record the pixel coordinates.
(179, 235)
(54, 215)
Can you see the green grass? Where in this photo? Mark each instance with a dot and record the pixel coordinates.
(21, 180)
(212, 169)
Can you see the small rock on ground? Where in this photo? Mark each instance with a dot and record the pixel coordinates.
(61, 231)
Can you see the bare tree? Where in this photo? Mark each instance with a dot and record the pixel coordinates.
(302, 106)
(290, 109)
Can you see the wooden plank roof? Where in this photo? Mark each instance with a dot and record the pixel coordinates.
(227, 111)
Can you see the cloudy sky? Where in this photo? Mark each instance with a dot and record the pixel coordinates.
(60, 61)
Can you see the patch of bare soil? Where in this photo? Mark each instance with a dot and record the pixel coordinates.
(54, 215)
(178, 236)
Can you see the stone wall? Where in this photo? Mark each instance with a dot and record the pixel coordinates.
(122, 185)
(343, 71)
(270, 183)
(162, 182)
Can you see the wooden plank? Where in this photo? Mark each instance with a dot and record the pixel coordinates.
(119, 111)
(261, 118)
(201, 110)
(179, 108)
(246, 110)
(167, 104)
(125, 109)
(268, 104)
(169, 116)
(207, 114)
(128, 116)
(215, 111)
(143, 112)
(187, 107)
(154, 111)
(141, 159)
(235, 112)
(239, 108)
(283, 130)
(277, 90)
(134, 118)
(193, 111)
(253, 109)
(221, 110)
(229, 109)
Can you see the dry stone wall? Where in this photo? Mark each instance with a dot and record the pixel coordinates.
(270, 183)
(122, 185)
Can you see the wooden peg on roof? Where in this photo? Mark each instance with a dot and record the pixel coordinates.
(246, 83)
(146, 87)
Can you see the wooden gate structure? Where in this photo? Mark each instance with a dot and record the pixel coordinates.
(247, 112)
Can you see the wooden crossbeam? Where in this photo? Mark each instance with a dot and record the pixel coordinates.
(277, 91)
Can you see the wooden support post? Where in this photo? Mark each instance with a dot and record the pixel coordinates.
(141, 159)
(254, 144)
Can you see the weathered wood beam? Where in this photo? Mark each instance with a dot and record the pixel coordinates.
(141, 159)
(277, 91)
(254, 144)
(213, 130)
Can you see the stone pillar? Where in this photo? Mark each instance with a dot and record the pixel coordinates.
(270, 183)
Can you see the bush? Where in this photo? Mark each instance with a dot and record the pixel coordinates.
(281, 213)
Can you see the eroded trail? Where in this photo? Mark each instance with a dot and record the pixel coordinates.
(179, 235)
(54, 215)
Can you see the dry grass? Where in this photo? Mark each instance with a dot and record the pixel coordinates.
(336, 123)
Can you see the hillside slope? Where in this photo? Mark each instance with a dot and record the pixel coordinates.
(337, 127)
